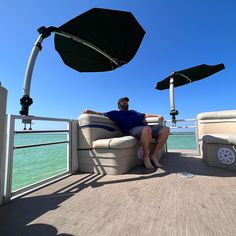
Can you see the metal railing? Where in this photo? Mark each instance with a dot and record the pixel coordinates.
(179, 128)
(9, 193)
(174, 126)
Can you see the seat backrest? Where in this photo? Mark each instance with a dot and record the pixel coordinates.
(219, 122)
(94, 127)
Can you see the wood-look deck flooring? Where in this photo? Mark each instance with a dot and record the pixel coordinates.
(142, 202)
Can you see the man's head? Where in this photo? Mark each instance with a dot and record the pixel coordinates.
(123, 103)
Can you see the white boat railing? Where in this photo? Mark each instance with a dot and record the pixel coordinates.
(179, 128)
(3, 119)
(10, 147)
(174, 125)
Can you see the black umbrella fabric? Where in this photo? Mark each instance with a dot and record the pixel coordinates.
(189, 75)
(116, 33)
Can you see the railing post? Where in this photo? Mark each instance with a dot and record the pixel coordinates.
(9, 157)
(3, 103)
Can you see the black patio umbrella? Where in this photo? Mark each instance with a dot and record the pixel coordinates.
(184, 77)
(97, 40)
(114, 38)
(189, 75)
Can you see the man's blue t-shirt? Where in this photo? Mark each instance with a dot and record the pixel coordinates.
(126, 120)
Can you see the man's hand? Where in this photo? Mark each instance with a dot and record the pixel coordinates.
(92, 112)
(87, 112)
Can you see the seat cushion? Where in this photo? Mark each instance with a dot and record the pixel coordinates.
(115, 143)
(220, 139)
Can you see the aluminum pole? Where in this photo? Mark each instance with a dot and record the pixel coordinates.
(30, 66)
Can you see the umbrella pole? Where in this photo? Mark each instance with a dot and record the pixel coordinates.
(173, 112)
(26, 100)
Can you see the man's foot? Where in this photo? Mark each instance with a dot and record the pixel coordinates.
(156, 163)
(148, 163)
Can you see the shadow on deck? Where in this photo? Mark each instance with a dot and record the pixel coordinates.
(24, 215)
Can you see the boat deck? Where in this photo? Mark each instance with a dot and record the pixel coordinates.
(142, 202)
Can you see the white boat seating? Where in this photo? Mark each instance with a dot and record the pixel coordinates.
(216, 133)
(102, 147)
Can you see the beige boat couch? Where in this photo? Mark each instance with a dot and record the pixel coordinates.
(216, 132)
(102, 147)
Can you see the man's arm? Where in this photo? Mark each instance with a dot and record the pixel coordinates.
(92, 112)
(153, 115)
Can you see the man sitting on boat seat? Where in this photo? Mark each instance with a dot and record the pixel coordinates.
(132, 123)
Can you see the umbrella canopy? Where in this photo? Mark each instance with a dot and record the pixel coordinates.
(115, 33)
(189, 75)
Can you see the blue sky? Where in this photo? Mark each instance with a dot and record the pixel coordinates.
(179, 34)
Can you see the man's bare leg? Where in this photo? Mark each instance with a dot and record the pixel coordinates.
(146, 139)
(164, 133)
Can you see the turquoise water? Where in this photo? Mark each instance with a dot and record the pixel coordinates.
(37, 163)
(185, 141)
(31, 165)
